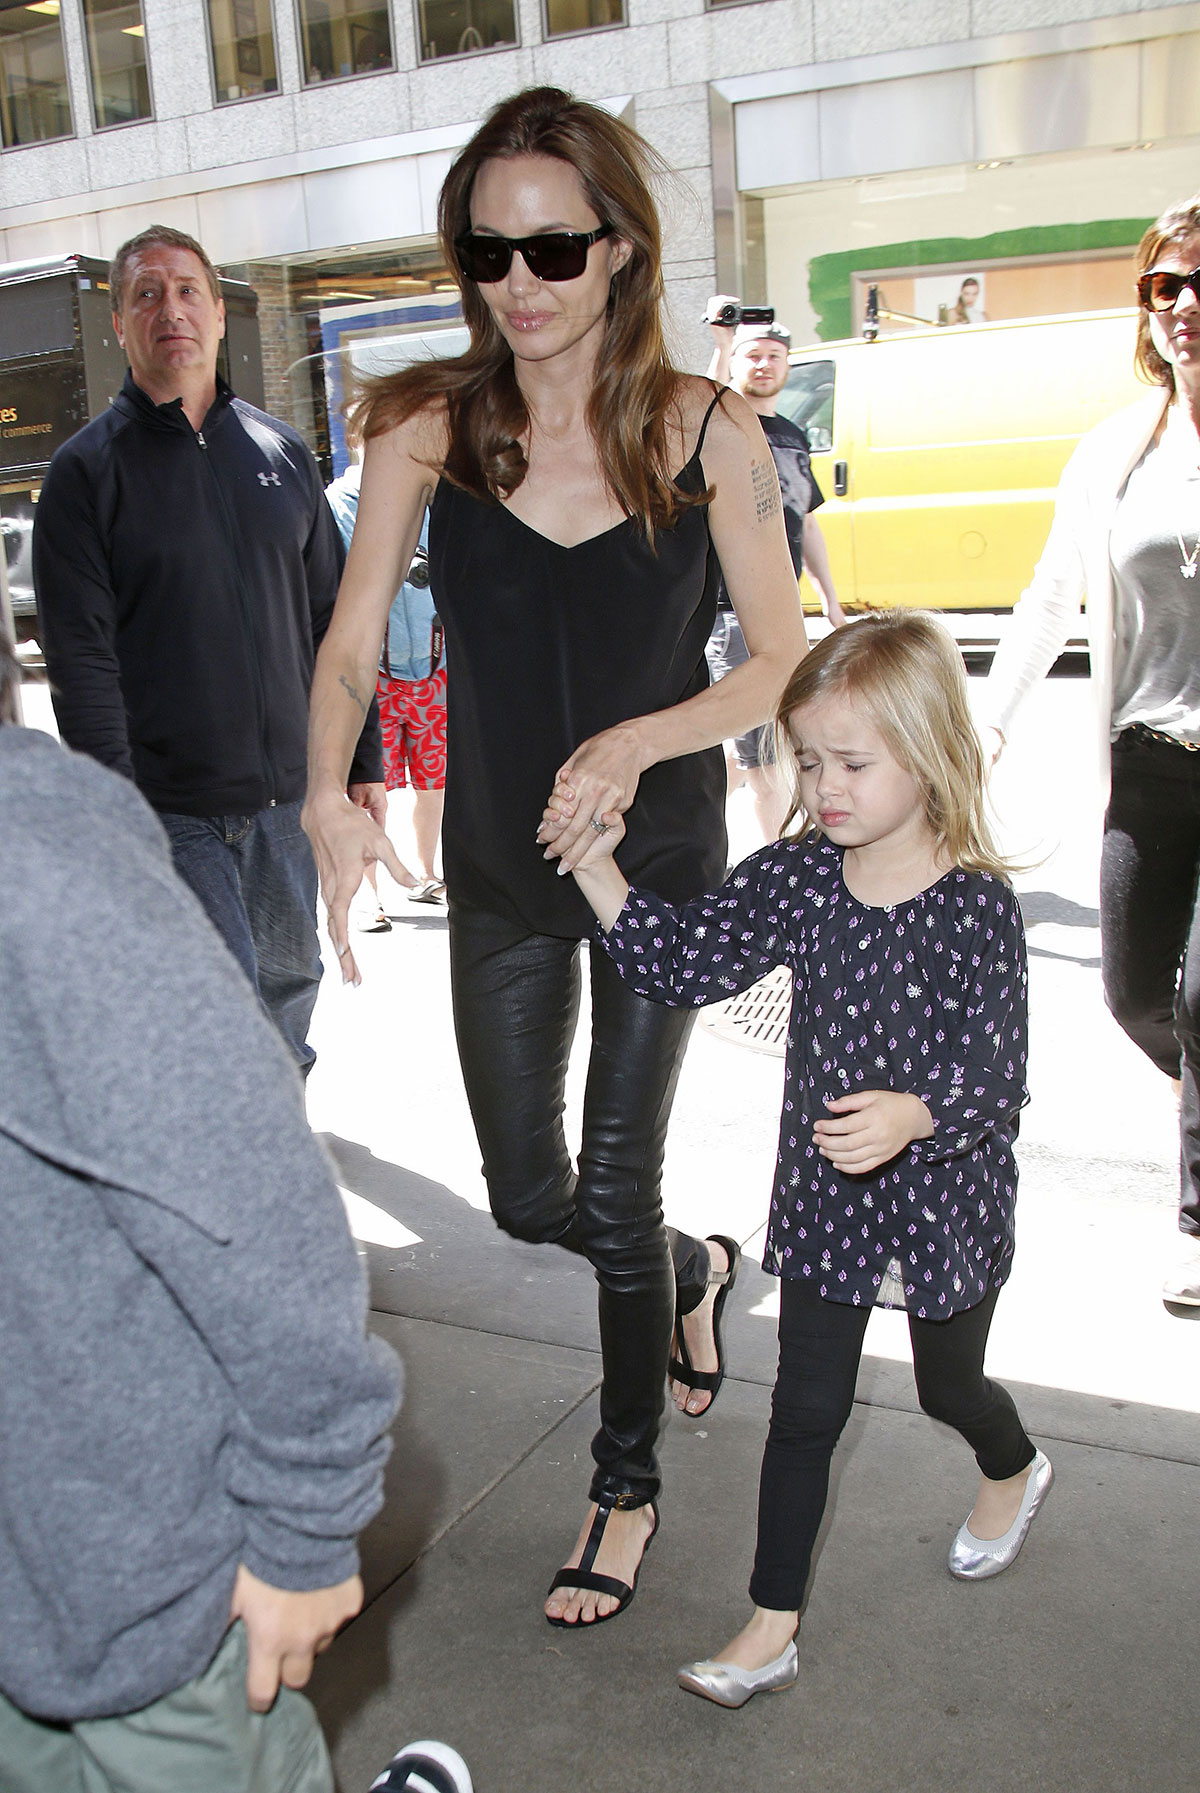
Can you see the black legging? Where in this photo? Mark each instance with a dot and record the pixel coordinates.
(1150, 924)
(820, 1344)
(516, 1002)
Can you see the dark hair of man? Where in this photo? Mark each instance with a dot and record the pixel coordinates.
(156, 236)
(635, 384)
(1177, 224)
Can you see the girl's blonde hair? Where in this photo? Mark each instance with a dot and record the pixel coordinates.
(637, 388)
(904, 670)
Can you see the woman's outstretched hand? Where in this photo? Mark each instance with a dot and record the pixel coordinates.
(600, 778)
(346, 839)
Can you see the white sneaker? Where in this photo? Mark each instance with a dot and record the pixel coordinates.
(1183, 1283)
(425, 1768)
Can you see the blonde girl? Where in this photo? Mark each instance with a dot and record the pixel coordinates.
(905, 1071)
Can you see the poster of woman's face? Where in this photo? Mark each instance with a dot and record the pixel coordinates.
(954, 298)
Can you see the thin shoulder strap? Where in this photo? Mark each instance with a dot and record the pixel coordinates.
(718, 393)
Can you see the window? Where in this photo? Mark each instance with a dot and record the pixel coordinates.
(243, 48)
(807, 400)
(344, 37)
(455, 27)
(116, 39)
(34, 104)
(582, 15)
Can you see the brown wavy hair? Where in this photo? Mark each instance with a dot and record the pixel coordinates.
(1177, 224)
(903, 668)
(635, 386)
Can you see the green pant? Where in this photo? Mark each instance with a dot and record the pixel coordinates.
(201, 1739)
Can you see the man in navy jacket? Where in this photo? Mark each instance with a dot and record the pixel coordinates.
(186, 566)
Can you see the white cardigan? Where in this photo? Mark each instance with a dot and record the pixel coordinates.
(1074, 564)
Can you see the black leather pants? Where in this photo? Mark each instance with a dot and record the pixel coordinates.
(516, 1003)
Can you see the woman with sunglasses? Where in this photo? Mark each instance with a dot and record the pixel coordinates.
(581, 489)
(1126, 536)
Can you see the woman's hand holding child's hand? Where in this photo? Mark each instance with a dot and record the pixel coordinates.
(595, 872)
(870, 1127)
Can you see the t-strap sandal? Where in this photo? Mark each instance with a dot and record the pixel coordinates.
(681, 1368)
(584, 1576)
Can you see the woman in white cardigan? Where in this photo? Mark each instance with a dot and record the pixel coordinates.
(1126, 537)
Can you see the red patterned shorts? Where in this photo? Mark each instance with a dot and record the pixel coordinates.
(413, 714)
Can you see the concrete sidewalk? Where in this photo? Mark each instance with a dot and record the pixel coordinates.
(1072, 1671)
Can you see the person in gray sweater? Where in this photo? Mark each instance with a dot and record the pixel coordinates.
(193, 1420)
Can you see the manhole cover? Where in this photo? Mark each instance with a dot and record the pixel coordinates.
(758, 1018)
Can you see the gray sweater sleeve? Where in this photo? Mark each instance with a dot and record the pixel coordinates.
(135, 1058)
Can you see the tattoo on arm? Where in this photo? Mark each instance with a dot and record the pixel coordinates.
(353, 692)
(766, 489)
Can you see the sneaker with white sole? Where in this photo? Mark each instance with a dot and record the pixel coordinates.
(425, 1768)
(1182, 1285)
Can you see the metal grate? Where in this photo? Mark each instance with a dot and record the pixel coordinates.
(758, 1018)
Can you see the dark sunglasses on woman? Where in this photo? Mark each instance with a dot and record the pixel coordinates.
(554, 255)
(1159, 289)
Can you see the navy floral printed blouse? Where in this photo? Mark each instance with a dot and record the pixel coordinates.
(927, 996)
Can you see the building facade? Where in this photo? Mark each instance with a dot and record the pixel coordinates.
(821, 147)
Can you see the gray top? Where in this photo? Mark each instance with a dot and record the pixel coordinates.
(1156, 607)
(187, 1380)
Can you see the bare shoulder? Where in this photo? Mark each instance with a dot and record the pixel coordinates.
(698, 398)
(733, 436)
(423, 437)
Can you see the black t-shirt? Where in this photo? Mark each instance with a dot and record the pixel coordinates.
(801, 493)
(797, 484)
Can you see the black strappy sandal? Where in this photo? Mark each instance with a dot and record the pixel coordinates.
(681, 1368)
(584, 1576)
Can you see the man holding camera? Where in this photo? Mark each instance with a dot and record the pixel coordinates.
(751, 355)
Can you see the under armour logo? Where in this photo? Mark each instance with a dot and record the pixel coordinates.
(269, 479)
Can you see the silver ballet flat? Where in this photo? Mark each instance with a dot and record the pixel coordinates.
(730, 1686)
(975, 1559)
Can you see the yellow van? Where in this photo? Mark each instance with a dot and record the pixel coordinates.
(939, 450)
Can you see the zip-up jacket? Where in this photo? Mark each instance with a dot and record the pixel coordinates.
(184, 581)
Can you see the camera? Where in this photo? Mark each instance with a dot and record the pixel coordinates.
(733, 313)
(418, 572)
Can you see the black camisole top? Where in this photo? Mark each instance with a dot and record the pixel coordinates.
(546, 646)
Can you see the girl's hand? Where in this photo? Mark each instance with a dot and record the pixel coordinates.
(600, 778)
(871, 1127)
(597, 874)
(601, 844)
(345, 840)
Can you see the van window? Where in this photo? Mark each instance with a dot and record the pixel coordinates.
(807, 400)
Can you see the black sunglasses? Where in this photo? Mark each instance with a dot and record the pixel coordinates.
(1159, 289)
(554, 255)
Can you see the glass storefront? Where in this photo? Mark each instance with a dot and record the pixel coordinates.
(327, 319)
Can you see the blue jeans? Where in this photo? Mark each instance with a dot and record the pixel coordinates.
(256, 880)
